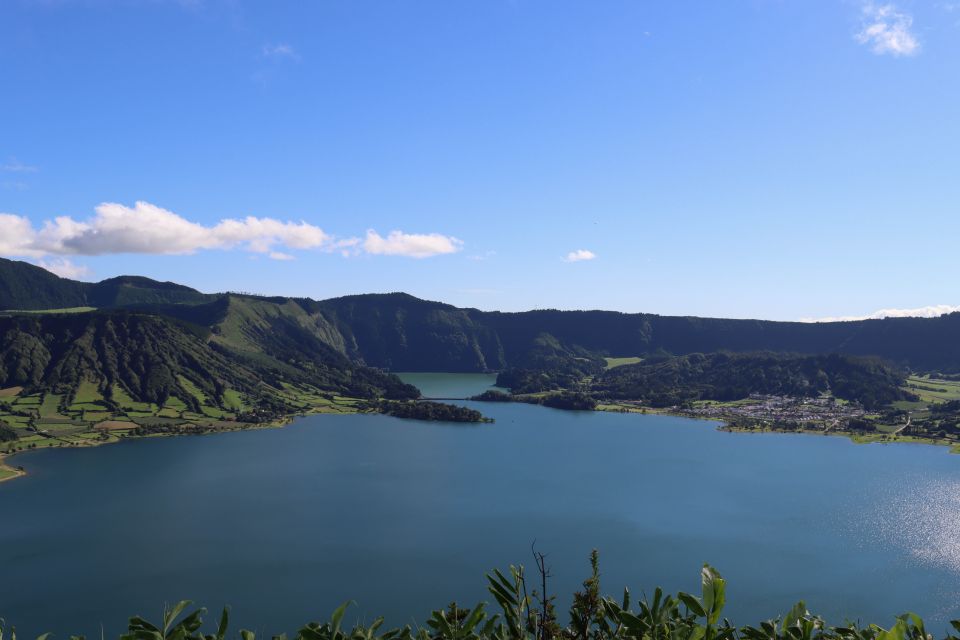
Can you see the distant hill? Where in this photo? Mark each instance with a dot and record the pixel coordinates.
(25, 287)
(669, 381)
(399, 332)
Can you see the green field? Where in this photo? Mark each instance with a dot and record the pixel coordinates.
(125, 402)
(66, 310)
(933, 390)
(193, 390)
(50, 408)
(232, 400)
(87, 392)
(619, 362)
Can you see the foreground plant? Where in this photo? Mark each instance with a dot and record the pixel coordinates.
(530, 615)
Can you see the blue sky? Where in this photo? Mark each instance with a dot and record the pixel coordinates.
(778, 159)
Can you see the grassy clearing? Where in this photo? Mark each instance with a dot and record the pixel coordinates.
(96, 416)
(213, 412)
(87, 392)
(10, 392)
(115, 425)
(125, 402)
(619, 362)
(193, 390)
(175, 403)
(933, 390)
(41, 311)
(50, 408)
(233, 401)
(85, 406)
(29, 401)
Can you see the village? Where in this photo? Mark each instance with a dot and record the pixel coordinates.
(781, 411)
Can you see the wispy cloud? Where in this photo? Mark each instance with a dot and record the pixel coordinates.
(148, 229)
(410, 245)
(579, 256)
(887, 30)
(480, 257)
(15, 166)
(65, 268)
(279, 51)
(932, 311)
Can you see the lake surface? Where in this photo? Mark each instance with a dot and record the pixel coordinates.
(406, 516)
(452, 385)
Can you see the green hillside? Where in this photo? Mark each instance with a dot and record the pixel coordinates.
(729, 376)
(157, 360)
(402, 333)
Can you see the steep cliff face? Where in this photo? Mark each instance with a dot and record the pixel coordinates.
(403, 333)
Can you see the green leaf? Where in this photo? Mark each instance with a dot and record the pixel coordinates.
(693, 604)
(337, 617)
(714, 593)
(169, 615)
(798, 611)
(224, 622)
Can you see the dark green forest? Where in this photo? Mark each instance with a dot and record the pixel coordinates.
(430, 411)
(671, 381)
(402, 333)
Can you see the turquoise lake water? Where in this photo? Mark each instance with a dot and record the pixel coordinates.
(405, 516)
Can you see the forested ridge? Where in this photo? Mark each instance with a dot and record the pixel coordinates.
(148, 336)
(402, 333)
(671, 381)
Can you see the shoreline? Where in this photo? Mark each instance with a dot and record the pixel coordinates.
(19, 471)
(727, 426)
(9, 472)
(854, 436)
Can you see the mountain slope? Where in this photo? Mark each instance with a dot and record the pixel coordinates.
(402, 333)
(153, 358)
(734, 376)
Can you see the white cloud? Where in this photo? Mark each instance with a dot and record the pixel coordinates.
(65, 268)
(887, 30)
(411, 245)
(279, 51)
(147, 228)
(932, 311)
(579, 256)
(17, 237)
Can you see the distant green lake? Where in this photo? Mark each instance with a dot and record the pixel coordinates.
(452, 385)
(405, 516)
